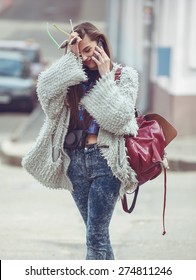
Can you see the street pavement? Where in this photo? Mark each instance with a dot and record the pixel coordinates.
(38, 223)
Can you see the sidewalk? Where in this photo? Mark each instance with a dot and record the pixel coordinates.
(181, 151)
(14, 148)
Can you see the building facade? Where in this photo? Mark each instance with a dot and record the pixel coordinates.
(158, 38)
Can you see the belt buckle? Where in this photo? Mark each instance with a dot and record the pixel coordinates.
(91, 147)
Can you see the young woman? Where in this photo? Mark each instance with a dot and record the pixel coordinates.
(89, 103)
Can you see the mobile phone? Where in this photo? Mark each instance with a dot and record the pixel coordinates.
(99, 44)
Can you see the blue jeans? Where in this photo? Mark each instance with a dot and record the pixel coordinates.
(95, 193)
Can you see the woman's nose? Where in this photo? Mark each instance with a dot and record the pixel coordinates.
(84, 57)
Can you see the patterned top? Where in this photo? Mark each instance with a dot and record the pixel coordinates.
(92, 127)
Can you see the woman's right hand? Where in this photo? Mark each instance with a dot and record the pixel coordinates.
(74, 40)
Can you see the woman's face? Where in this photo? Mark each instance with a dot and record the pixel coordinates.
(86, 50)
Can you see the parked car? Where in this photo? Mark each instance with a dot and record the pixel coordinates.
(17, 86)
(30, 49)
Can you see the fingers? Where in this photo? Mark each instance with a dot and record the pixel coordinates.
(97, 56)
(100, 52)
(74, 38)
(99, 48)
(73, 42)
(64, 44)
(72, 35)
(100, 55)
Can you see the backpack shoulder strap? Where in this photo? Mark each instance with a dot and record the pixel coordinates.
(131, 208)
(125, 204)
(118, 73)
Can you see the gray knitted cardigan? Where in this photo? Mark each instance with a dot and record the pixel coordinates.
(110, 102)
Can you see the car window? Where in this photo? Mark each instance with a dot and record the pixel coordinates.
(26, 72)
(32, 55)
(11, 68)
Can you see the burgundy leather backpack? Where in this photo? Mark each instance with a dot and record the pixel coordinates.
(146, 152)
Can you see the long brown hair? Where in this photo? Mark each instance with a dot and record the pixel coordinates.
(75, 92)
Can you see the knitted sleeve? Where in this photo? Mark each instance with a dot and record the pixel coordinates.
(112, 103)
(53, 83)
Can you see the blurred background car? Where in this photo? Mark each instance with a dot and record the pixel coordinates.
(30, 49)
(17, 86)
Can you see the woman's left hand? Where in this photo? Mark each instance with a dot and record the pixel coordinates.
(102, 60)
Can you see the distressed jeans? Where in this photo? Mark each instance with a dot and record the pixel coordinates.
(95, 193)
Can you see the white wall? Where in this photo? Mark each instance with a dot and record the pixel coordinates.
(175, 23)
(125, 31)
(113, 24)
(174, 27)
(192, 35)
(131, 38)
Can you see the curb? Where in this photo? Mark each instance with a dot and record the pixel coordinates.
(13, 150)
(9, 152)
(181, 165)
